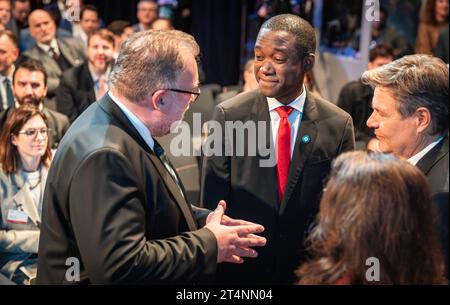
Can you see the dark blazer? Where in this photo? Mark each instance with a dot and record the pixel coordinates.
(356, 99)
(75, 92)
(72, 49)
(435, 167)
(110, 203)
(57, 122)
(441, 49)
(251, 190)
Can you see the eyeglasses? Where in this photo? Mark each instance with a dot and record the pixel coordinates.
(32, 132)
(195, 94)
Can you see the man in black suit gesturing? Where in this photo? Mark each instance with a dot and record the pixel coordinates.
(307, 133)
(113, 202)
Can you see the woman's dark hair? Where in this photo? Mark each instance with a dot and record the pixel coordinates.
(17, 118)
(374, 205)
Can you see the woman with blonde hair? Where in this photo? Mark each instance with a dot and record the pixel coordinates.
(374, 206)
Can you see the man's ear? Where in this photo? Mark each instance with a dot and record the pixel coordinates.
(157, 99)
(308, 62)
(423, 119)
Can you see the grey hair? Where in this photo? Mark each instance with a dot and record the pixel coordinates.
(151, 60)
(416, 81)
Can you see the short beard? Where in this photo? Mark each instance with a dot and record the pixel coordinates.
(35, 102)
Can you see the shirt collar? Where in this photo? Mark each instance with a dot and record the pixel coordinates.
(417, 157)
(298, 104)
(9, 76)
(95, 76)
(46, 47)
(140, 127)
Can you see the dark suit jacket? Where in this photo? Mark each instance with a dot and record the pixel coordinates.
(356, 99)
(435, 167)
(251, 190)
(110, 203)
(441, 49)
(57, 122)
(75, 92)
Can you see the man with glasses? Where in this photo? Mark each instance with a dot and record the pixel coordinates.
(30, 87)
(121, 209)
(147, 13)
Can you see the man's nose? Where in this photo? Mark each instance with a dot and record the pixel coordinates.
(371, 122)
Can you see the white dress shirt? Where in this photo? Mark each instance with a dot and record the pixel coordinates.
(140, 127)
(46, 48)
(95, 78)
(416, 158)
(294, 118)
(3, 89)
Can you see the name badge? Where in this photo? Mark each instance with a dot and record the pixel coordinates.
(16, 216)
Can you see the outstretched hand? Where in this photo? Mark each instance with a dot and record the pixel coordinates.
(234, 237)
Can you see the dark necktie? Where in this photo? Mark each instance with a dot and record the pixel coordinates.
(9, 93)
(159, 151)
(283, 149)
(54, 54)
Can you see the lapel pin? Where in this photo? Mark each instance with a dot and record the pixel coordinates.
(306, 139)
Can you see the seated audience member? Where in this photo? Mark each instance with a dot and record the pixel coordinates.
(162, 24)
(21, 9)
(356, 97)
(30, 87)
(147, 12)
(441, 49)
(89, 23)
(121, 30)
(56, 54)
(5, 17)
(9, 52)
(392, 224)
(434, 18)
(24, 160)
(410, 116)
(83, 85)
(249, 83)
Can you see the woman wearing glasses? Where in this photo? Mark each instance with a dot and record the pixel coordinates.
(24, 160)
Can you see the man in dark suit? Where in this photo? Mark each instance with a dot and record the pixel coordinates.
(147, 12)
(81, 86)
(113, 203)
(57, 55)
(30, 87)
(304, 134)
(410, 117)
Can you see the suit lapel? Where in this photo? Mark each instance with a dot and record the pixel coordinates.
(88, 82)
(433, 156)
(260, 113)
(66, 51)
(110, 107)
(302, 150)
(49, 63)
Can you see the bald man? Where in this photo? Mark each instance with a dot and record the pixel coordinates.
(57, 54)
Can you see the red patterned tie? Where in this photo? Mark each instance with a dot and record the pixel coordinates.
(283, 149)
